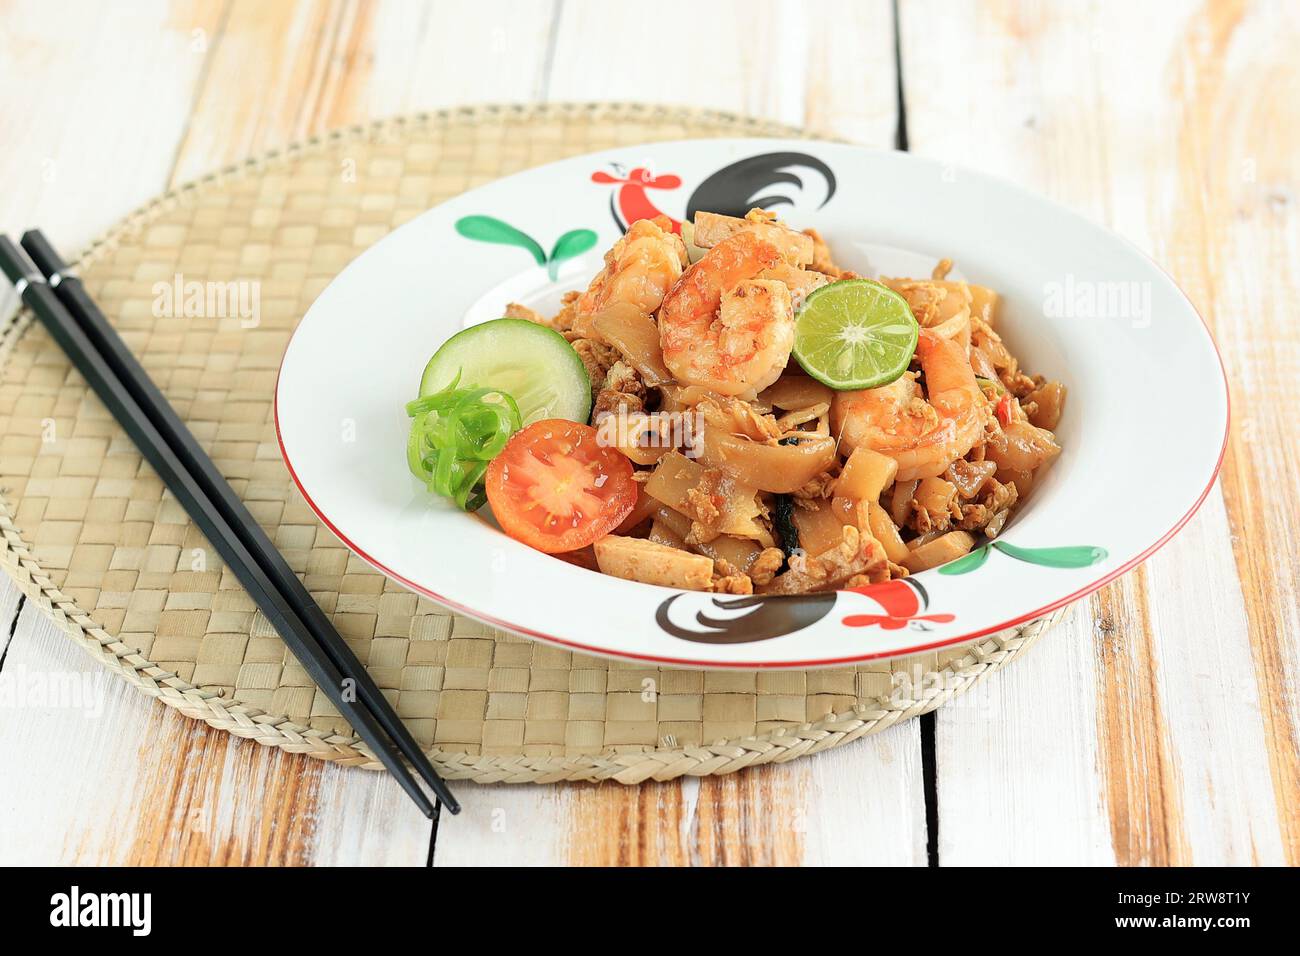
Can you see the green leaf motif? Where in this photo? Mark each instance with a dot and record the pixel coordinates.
(967, 563)
(488, 229)
(573, 243)
(1073, 556)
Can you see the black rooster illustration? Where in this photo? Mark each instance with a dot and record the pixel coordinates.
(772, 617)
(893, 605)
(768, 180)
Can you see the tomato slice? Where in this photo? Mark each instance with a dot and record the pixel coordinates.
(556, 488)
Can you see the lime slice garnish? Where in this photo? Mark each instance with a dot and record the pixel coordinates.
(855, 334)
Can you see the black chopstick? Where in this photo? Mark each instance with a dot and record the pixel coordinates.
(91, 319)
(328, 675)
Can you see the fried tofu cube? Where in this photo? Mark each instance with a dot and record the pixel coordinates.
(637, 559)
(711, 229)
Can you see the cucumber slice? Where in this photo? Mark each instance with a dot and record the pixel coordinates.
(533, 364)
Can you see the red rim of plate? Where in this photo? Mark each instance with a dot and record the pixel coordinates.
(791, 665)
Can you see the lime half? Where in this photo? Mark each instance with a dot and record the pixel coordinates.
(855, 334)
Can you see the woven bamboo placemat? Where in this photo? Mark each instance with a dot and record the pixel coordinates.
(92, 538)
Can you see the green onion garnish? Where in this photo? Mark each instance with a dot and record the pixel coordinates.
(454, 434)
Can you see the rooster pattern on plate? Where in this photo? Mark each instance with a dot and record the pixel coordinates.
(709, 619)
(773, 181)
(900, 603)
(770, 180)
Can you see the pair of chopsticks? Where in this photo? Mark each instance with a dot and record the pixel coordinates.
(61, 303)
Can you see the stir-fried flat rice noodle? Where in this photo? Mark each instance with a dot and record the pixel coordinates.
(755, 478)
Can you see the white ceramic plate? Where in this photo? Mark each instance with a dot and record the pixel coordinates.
(1143, 431)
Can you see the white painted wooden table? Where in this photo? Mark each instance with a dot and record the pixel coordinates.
(1157, 725)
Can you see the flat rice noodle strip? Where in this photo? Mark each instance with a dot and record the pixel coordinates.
(850, 511)
(984, 303)
(641, 440)
(924, 539)
(737, 505)
(833, 568)
(885, 531)
(660, 533)
(858, 513)
(981, 364)
(672, 519)
(636, 336)
(675, 526)
(739, 552)
(1050, 399)
(971, 476)
(694, 253)
(792, 392)
(819, 528)
(995, 351)
(945, 548)
(802, 416)
(957, 329)
(675, 476)
(780, 469)
(730, 416)
(900, 503)
(641, 512)
(935, 495)
(866, 474)
(678, 398)
(1023, 480)
(582, 558)
(1021, 447)
(959, 295)
(954, 313)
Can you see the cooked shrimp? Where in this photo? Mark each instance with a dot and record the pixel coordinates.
(639, 269)
(721, 327)
(797, 249)
(923, 437)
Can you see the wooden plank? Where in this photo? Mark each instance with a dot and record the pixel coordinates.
(829, 66)
(1232, 229)
(1017, 761)
(858, 805)
(1120, 111)
(628, 53)
(286, 71)
(77, 759)
(109, 777)
(109, 91)
(851, 77)
(1139, 775)
(451, 53)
